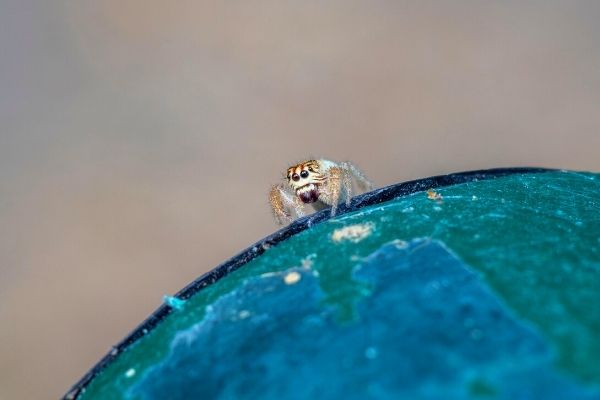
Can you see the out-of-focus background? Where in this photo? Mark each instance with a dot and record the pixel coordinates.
(139, 138)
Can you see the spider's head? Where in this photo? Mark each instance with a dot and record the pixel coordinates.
(305, 179)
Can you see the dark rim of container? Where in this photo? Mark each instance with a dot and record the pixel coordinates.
(376, 196)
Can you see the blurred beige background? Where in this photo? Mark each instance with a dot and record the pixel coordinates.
(139, 138)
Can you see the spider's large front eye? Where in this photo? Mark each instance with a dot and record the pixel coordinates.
(304, 174)
(296, 177)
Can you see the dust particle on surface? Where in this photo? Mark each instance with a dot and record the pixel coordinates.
(292, 278)
(433, 195)
(353, 233)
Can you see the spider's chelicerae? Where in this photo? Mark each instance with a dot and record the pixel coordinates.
(321, 183)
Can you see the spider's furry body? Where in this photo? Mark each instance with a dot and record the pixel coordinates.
(321, 183)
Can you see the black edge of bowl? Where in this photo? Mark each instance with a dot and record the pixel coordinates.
(376, 196)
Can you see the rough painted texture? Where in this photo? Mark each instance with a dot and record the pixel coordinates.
(425, 327)
(501, 299)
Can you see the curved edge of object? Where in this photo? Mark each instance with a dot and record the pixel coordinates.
(376, 196)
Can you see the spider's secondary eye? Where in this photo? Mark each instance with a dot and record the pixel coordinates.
(304, 174)
(296, 177)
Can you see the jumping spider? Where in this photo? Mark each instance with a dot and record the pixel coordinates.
(320, 183)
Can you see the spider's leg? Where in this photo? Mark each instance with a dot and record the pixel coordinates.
(286, 207)
(347, 184)
(364, 183)
(335, 180)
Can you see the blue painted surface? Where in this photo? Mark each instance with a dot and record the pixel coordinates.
(425, 327)
(500, 299)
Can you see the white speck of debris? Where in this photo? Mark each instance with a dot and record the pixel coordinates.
(244, 314)
(400, 244)
(130, 373)
(353, 233)
(292, 278)
(307, 262)
(371, 353)
(474, 198)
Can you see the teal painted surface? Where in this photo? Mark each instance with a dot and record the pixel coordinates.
(525, 248)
